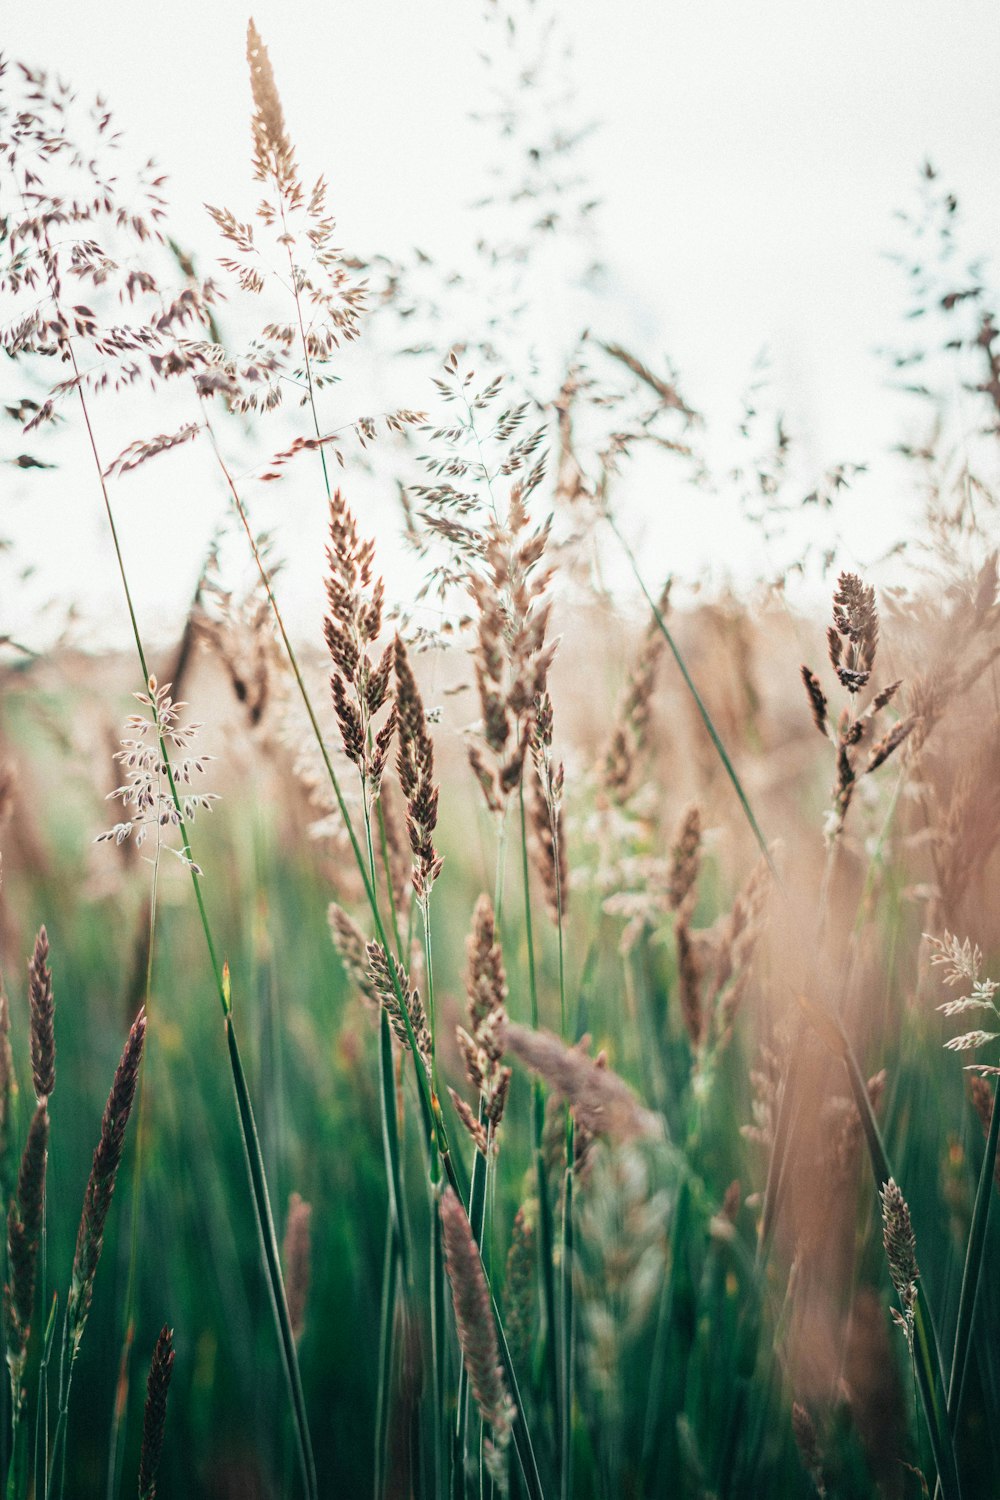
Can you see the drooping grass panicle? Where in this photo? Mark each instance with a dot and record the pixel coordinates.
(297, 1258)
(601, 1101)
(101, 1183)
(415, 768)
(155, 1415)
(24, 1229)
(474, 1323)
(42, 1010)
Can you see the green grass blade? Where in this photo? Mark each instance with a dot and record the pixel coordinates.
(972, 1272)
(927, 1357)
(706, 717)
(568, 1327)
(272, 1261)
(390, 1280)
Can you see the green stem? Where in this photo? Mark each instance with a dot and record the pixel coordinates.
(251, 1145)
(972, 1272)
(706, 717)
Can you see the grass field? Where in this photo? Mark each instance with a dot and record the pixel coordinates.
(541, 1084)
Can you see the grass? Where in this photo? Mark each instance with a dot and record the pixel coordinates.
(724, 1047)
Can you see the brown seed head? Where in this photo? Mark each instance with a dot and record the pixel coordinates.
(477, 1335)
(101, 1184)
(42, 1005)
(155, 1416)
(386, 975)
(24, 1228)
(602, 1102)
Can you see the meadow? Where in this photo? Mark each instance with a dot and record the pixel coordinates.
(548, 1024)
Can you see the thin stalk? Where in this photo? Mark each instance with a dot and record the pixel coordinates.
(699, 703)
(568, 1324)
(390, 1274)
(928, 1366)
(546, 1235)
(972, 1273)
(438, 1341)
(116, 1441)
(436, 1136)
(251, 1144)
(269, 1246)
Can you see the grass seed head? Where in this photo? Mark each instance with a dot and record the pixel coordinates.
(42, 1006)
(101, 1183)
(155, 1416)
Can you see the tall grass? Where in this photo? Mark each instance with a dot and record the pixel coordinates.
(632, 1219)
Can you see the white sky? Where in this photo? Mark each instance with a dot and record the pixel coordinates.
(749, 161)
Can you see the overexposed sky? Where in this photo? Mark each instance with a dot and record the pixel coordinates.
(749, 160)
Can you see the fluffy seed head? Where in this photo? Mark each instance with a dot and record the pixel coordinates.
(477, 1334)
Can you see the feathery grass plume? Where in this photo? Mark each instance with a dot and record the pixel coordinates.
(982, 1103)
(381, 966)
(807, 1442)
(42, 1005)
(548, 843)
(352, 946)
(520, 1297)
(620, 771)
(482, 1046)
(601, 1102)
(962, 964)
(415, 769)
(477, 1335)
(147, 790)
(852, 640)
(901, 1253)
(296, 1254)
(155, 1416)
(24, 1228)
(352, 625)
(6, 1094)
(101, 1183)
(273, 156)
(511, 658)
